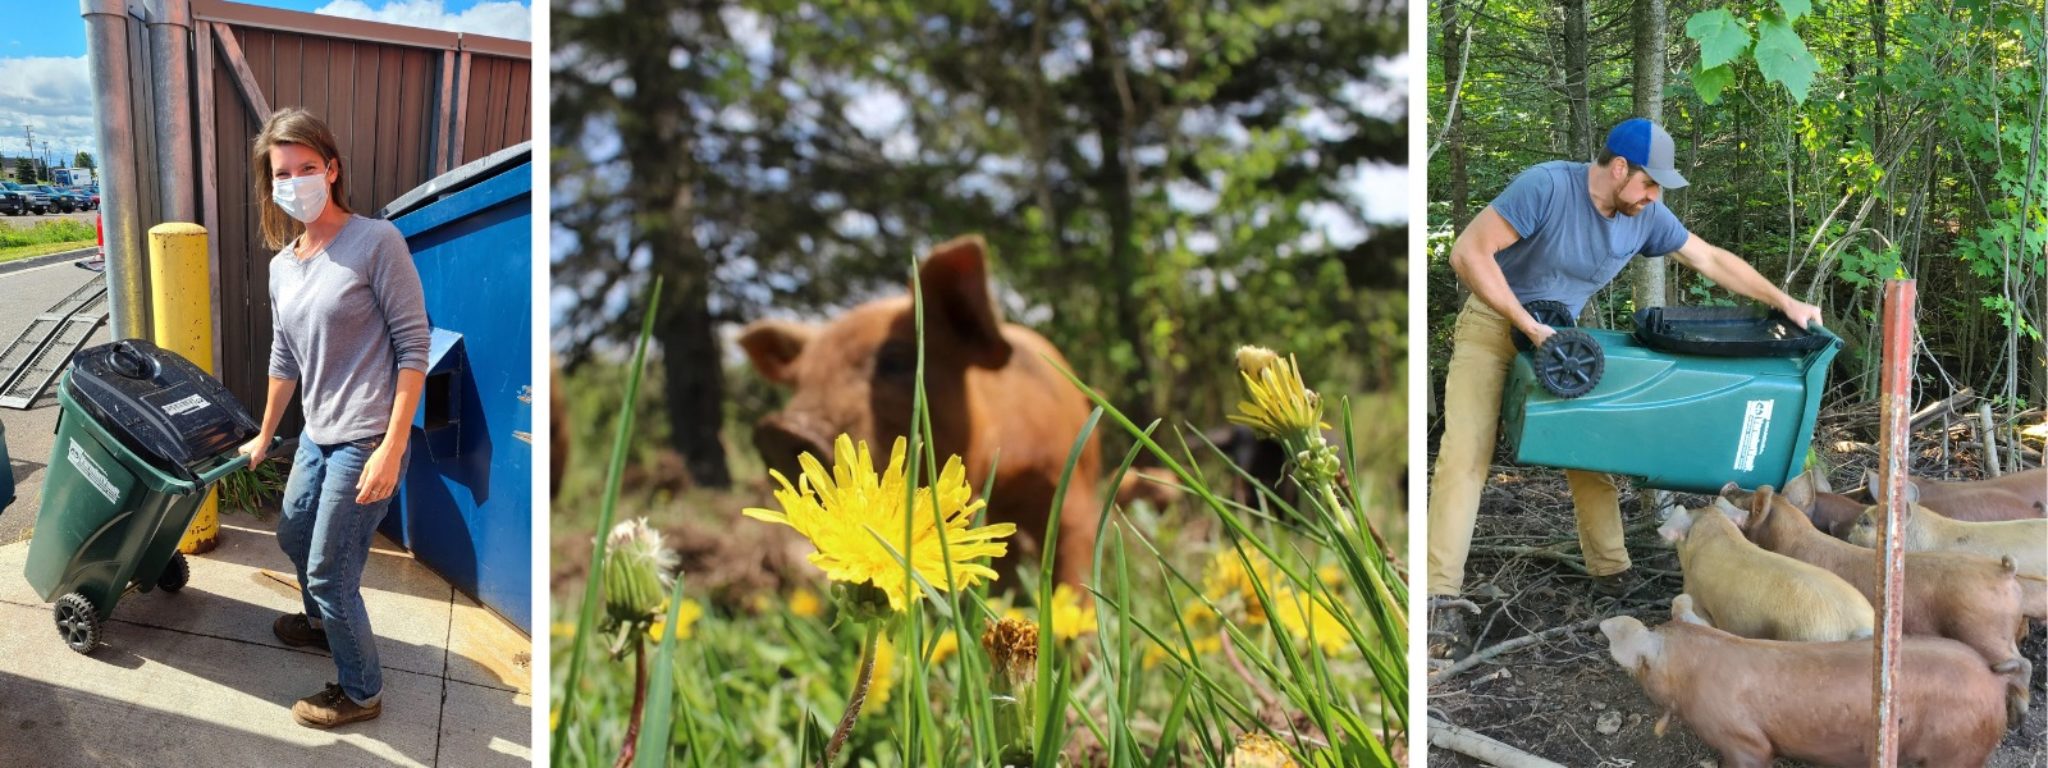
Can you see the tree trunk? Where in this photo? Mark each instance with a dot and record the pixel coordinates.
(1579, 135)
(1649, 274)
(657, 133)
(1114, 185)
(1453, 49)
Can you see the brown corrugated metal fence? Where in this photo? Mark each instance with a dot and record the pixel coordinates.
(406, 104)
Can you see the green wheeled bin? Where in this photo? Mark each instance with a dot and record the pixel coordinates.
(1694, 398)
(142, 433)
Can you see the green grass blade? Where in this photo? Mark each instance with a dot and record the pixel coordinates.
(657, 722)
(586, 621)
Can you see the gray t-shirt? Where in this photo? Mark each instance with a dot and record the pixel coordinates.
(344, 322)
(1568, 251)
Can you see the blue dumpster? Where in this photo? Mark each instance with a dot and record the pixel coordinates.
(466, 509)
(6, 472)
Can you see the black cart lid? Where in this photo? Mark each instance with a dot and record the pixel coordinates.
(159, 405)
(1724, 332)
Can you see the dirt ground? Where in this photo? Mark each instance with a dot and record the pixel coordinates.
(1564, 698)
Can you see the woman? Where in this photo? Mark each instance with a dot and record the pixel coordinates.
(349, 328)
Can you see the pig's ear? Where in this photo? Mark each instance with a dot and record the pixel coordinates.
(1820, 480)
(1631, 644)
(773, 347)
(1683, 609)
(1677, 522)
(1799, 490)
(1736, 515)
(956, 296)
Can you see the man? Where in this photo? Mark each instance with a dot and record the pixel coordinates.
(1560, 232)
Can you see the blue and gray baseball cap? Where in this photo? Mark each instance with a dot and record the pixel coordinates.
(1646, 144)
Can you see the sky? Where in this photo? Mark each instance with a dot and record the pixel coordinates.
(45, 83)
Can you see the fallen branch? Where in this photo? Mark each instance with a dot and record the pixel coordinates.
(1540, 553)
(1469, 743)
(1939, 408)
(1481, 656)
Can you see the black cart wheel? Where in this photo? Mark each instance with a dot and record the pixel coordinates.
(78, 622)
(1551, 313)
(176, 573)
(1569, 363)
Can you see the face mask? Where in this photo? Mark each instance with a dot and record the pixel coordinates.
(301, 197)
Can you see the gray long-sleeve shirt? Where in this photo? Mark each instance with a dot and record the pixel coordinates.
(345, 321)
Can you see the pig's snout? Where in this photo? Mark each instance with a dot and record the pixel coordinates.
(781, 438)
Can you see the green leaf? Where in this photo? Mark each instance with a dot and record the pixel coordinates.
(1710, 82)
(658, 721)
(1795, 9)
(1782, 57)
(1720, 35)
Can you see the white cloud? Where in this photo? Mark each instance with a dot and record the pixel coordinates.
(497, 18)
(53, 94)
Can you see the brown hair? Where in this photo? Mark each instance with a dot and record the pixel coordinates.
(293, 125)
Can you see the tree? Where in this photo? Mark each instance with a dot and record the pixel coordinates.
(1648, 19)
(83, 160)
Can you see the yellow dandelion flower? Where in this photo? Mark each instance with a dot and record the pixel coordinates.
(562, 629)
(946, 646)
(1228, 580)
(686, 617)
(849, 512)
(1276, 401)
(1071, 618)
(1330, 575)
(1208, 644)
(554, 718)
(805, 603)
(1298, 612)
(885, 668)
(1257, 750)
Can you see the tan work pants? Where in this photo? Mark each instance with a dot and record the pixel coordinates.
(1481, 352)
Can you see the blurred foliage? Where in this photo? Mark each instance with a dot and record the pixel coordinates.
(1158, 181)
(1916, 152)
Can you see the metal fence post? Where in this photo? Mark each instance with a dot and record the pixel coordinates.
(121, 195)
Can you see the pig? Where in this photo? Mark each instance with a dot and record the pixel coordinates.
(1968, 598)
(994, 389)
(1754, 593)
(1755, 700)
(1830, 512)
(2017, 496)
(1923, 529)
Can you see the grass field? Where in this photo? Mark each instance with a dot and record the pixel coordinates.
(1209, 634)
(44, 237)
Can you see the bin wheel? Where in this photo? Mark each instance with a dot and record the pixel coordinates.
(1569, 363)
(78, 622)
(1551, 313)
(176, 573)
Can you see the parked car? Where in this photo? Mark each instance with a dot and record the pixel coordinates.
(37, 200)
(13, 200)
(59, 201)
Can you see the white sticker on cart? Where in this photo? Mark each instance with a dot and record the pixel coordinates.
(1756, 428)
(98, 477)
(189, 404)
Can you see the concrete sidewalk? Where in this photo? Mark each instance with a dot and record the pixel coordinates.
(196, 678)
(31, 433)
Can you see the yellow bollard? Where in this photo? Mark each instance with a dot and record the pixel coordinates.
(180, 291)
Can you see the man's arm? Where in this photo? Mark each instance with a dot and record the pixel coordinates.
(1472, 257)
(1728, 269)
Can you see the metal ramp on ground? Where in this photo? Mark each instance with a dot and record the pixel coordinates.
(32, 361)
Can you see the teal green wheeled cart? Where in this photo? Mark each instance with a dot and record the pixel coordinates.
(141, 435)
(1694, 399)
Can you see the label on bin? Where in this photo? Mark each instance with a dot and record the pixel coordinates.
(1756, 428)
(93, 474)
(187, 405)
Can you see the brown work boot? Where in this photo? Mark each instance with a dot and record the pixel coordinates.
(1616, 585)
(330, 707)
(298, 632)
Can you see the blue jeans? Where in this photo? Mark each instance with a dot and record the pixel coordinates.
(327, 535)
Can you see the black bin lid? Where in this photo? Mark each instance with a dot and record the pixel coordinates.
(1724, 332)
(159, 405)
